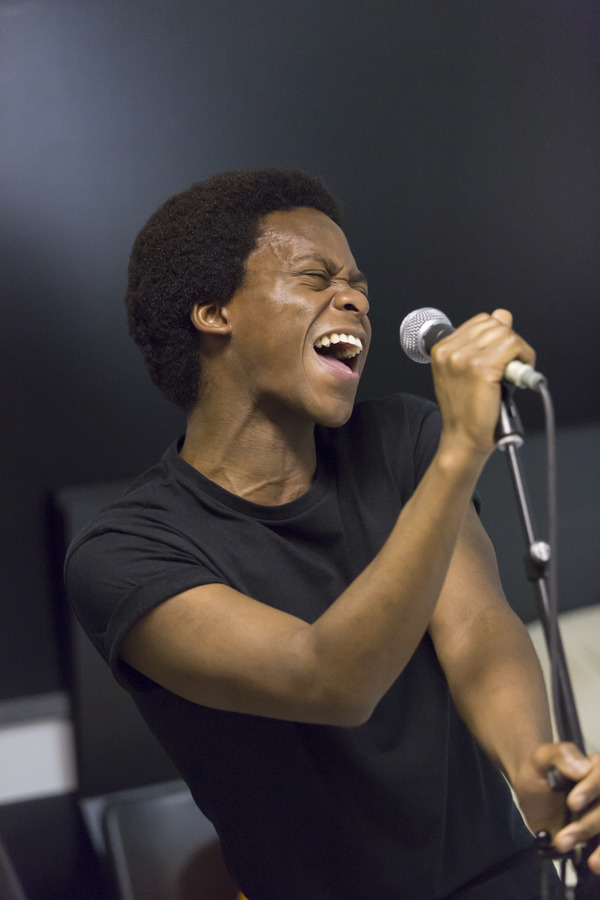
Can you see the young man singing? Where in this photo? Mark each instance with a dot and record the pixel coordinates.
(300, 596)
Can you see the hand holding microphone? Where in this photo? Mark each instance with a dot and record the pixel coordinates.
(423, 328)
(469, 366)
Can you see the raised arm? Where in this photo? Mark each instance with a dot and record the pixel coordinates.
(219, 648)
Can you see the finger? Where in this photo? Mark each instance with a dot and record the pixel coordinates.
(587, 791)
(506, 342)
(504, 316)
(566, 757)
(484, 323)
(583, 800)
(487, 346)
(594, 861)
(486, 331)
(579, 831)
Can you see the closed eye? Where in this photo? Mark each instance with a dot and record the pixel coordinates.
(321, 276)
(326, 279)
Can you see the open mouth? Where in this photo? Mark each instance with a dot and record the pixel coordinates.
(345, 348)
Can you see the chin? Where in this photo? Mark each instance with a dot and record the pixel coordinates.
(336, 415)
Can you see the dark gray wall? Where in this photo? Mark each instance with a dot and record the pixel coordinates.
(462, 138)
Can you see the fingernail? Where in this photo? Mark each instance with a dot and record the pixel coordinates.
(581, 766)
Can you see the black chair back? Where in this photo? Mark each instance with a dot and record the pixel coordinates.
(161, 847)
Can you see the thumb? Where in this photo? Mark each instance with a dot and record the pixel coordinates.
(503, 315)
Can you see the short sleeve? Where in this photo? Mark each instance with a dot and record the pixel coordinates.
(115, 575)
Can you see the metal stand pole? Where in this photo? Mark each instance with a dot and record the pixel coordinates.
(509, 437)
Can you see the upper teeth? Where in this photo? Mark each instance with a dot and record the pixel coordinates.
(336, 338)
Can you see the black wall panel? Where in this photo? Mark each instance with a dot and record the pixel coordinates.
(462, 138)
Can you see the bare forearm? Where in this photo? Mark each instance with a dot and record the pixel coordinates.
(500, 692)
(364, 640)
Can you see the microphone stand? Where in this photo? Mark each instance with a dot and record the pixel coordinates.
(509, 437)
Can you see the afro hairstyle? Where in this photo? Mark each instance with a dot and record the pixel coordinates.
(194, 249)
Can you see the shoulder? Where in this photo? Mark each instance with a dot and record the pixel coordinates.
(400, 421)
(392, 440)
(136, 551)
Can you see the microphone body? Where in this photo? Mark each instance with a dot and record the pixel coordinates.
(422, 328)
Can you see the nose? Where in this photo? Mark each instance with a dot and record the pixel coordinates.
(352, 299)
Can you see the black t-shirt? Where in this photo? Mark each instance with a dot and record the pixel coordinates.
(404, 806)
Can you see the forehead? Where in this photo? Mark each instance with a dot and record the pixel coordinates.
(288, 235)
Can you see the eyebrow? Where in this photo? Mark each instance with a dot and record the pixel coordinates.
(355, 274)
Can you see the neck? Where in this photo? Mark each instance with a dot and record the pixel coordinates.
(251, 456)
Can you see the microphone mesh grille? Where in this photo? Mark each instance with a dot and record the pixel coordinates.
(412, 327)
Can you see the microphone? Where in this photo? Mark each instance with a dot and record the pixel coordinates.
(422, 328)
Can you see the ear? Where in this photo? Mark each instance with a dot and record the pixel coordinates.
(211, 318)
